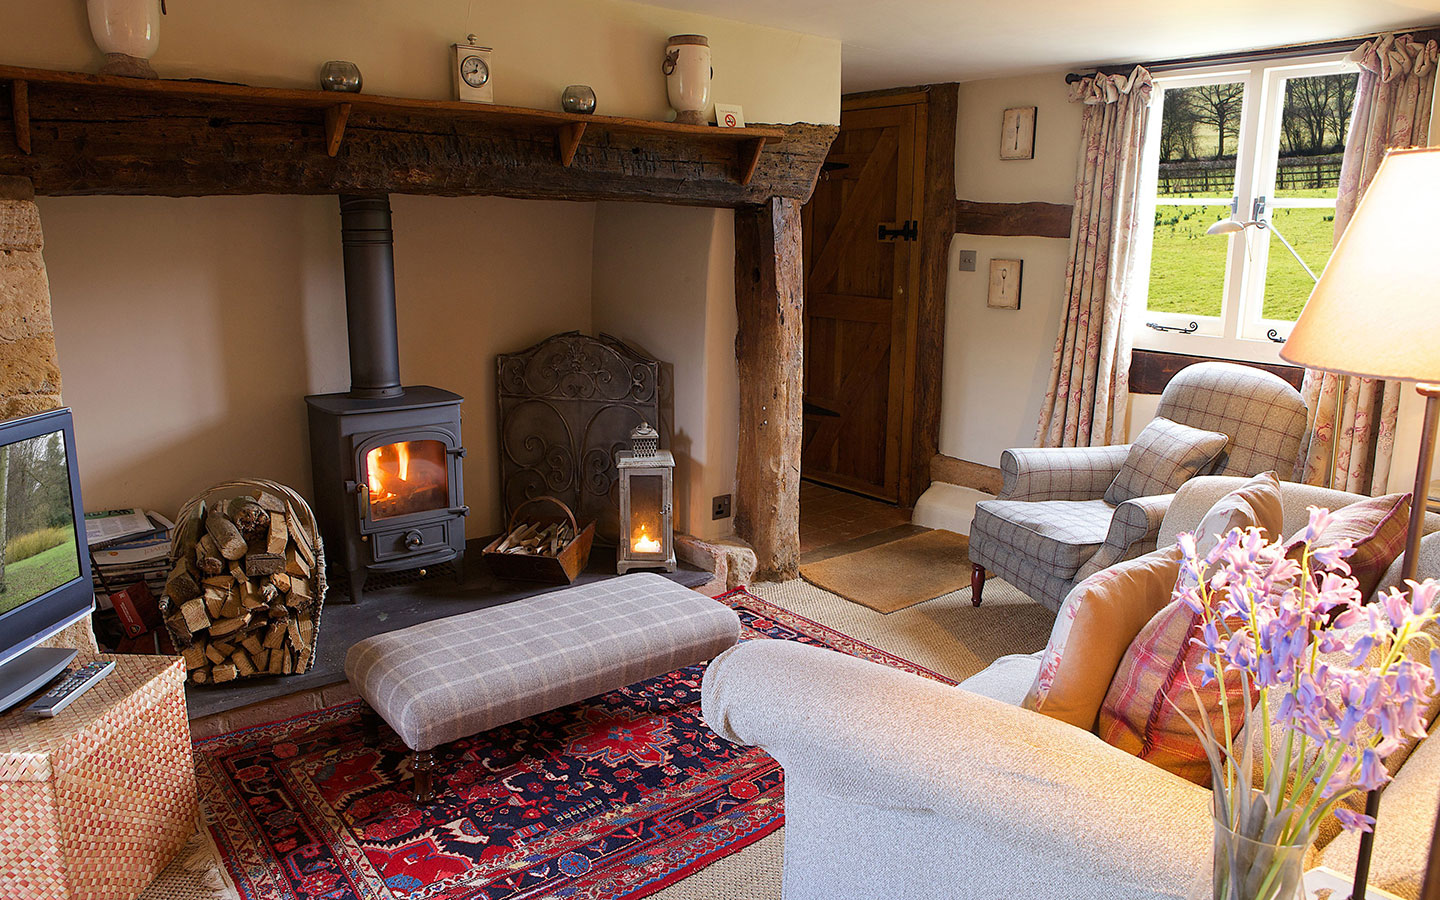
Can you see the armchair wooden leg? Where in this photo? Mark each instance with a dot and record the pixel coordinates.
(977, 582)
(422, 762)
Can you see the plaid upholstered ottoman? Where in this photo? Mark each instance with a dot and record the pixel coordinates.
(454, 677)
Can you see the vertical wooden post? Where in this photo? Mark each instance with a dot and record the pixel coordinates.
(768, 347)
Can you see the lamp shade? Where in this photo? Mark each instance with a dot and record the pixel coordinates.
(1376, 309)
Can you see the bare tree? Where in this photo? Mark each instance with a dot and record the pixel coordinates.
(1218, 105)
(1177, 128)
(1346, 86)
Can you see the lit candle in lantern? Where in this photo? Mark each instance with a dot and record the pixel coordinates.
(646, 544)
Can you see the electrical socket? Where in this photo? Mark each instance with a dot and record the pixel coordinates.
(967, 260)
(720, 507)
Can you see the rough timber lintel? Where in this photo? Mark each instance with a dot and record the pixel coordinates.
(92, 134)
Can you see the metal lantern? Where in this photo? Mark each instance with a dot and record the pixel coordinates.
(647, 482)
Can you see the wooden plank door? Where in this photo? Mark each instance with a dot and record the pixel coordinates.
(860, 287)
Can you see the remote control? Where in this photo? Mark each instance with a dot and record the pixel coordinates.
(73, 683)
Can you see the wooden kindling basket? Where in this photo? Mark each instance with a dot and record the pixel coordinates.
(297, 514)
(559, 569)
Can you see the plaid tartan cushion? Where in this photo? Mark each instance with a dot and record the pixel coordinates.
(1139, 713)
(1376, 527)
(1164, 456)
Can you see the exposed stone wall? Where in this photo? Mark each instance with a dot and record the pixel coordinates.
(29, 365)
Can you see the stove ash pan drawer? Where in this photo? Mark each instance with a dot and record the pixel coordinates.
(413, 540)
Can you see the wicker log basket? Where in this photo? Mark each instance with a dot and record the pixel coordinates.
(247, 582)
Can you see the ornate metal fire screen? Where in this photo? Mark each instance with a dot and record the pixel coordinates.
(566, 405)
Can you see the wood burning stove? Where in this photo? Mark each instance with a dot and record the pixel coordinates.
(385, 458)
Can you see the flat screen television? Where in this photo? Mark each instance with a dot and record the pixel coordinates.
(44, 562)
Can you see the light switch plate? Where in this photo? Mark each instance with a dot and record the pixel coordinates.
(967, 260)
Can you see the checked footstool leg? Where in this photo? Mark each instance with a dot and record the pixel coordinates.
(977, 582)
(422, 762)
(370, 725)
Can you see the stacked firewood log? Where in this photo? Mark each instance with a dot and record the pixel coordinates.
(241, 598)
(537, 539)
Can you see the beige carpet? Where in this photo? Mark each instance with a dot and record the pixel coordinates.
(897, 574)
(947, 635)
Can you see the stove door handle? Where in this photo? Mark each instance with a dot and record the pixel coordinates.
(459, 510)
(458, 452)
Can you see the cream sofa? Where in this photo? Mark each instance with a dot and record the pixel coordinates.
(898, 786)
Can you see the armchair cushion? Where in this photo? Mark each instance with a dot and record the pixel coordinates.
(1164, 456)
(1099, 619)
(1060, 473)
(1058, 534)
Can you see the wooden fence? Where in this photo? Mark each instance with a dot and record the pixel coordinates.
(1216, 177)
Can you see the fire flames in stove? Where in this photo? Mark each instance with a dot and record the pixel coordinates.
(406, 477)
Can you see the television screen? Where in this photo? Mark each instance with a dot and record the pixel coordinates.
(38, 548)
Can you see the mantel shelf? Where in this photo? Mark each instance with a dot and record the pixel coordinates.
(33, 92)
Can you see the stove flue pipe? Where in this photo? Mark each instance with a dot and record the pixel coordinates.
(369, 243)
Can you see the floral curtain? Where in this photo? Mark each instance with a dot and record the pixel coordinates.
(1089, 379)
(1392, 109)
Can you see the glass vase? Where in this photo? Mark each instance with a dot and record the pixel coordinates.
(1247, 869)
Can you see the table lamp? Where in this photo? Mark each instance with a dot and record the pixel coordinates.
(1375, 313)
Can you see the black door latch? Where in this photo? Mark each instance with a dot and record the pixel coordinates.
(909, 231)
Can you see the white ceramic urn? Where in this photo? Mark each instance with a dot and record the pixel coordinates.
(128, 33)
(687, 76)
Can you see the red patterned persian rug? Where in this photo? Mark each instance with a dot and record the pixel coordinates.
(614, 797)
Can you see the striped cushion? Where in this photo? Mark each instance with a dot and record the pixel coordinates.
(445, 679)
(1138, 714)
(1376, 527)
(1164, 456)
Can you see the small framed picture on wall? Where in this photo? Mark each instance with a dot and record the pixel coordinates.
(1004, 284)
(1017, 133)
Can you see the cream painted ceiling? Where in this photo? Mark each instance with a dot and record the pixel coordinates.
(888, 43)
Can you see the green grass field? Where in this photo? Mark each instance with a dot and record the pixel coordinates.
(27, 579)
(1187, 269)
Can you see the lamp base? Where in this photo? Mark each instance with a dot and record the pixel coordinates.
(1408, 567)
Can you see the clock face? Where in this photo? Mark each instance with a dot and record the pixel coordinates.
(475, 71)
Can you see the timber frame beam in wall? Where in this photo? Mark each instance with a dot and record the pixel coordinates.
(769, 343)
(74, 134)
(1034, 219)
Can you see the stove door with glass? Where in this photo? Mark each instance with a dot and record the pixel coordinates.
(409, 496)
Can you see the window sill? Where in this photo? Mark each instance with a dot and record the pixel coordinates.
(1151, 370)
(1210, 346)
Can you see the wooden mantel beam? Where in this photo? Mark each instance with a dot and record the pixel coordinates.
(90, 134)
(770, 304)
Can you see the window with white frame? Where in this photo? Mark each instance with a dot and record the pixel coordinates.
(1258, 148)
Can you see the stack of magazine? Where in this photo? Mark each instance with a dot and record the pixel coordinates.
(127, 546)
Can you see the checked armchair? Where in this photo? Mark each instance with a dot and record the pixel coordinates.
(1051, 527)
